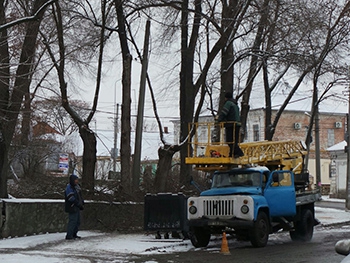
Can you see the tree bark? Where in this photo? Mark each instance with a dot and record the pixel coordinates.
(165, 155)
(3, 165)
(125, 150)
(89, 157)
(4, 99)
(187, 89)
(226, 54)
(25, 129)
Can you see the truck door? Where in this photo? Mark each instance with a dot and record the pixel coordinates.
(280, 194)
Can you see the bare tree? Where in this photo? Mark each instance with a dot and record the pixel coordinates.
(254, 65)
(14, 82)
(317, 40)
(87, 135)
(190, 85)
(331, 61)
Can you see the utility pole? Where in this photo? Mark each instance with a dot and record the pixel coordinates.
(115, 139)
(138, 135)
(317, 147)
(315, 104)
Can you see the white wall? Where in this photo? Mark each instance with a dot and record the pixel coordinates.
(324, 170)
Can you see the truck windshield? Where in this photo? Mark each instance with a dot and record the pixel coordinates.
(238, 179)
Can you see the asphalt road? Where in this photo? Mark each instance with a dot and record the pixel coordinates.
(280, 249)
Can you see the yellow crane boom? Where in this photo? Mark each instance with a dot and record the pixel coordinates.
(208, 151)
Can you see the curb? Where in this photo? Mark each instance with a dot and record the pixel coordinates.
(335, 224)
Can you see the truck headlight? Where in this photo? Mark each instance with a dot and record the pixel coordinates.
(244, 209)
(192, 210)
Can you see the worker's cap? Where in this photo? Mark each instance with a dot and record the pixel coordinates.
(72, 179)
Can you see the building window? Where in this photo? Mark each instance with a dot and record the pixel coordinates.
(330, 141)
(256, 133)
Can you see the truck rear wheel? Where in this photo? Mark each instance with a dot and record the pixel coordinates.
(200, 237)
(304, 228)
(259, 235)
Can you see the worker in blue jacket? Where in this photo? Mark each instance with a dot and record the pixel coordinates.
(73, 204)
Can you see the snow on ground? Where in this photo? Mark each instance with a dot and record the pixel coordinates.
(53, 248)
(116, 247)
(330, 216)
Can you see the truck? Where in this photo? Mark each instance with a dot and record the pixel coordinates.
(251, 203)
(265, 191)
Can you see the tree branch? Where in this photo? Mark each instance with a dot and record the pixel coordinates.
(28, 18)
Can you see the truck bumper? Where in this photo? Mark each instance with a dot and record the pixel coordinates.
(233, 223)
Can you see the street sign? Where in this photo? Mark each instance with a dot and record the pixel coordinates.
(63, 164)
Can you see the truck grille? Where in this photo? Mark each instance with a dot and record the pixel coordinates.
(218, 208)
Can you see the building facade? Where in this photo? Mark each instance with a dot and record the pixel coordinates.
(338, 171)
(294, 125)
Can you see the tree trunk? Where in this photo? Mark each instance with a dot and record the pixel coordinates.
(226, 56)
(268, 109)
(125, 150)
(187, 89)
(165, 155)
(89, 158)
(25, 129)
(4, 98)
(3, 165)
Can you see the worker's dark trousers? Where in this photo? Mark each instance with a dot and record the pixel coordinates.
(233, 142)
(73, 224)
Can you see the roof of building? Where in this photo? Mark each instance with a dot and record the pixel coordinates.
(42, 128)
(338, 147)
(149, 148)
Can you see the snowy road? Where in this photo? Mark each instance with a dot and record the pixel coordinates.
(93, 247)
(114, 247)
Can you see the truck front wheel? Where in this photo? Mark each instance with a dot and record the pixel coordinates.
(259, 235)
(200, 237)
(304, 228)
